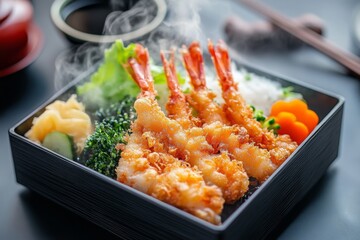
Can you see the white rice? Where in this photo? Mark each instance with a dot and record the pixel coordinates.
(258, 91)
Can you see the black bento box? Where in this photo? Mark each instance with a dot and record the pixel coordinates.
(131, 214)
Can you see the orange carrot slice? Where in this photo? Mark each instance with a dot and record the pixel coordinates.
(300, 109)
(289, 125)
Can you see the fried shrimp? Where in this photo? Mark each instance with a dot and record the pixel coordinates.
(201, 98)
(188, 144)
(196, 163)
(167, 178)
(235, 141)
(232, 139)
(177, 107)
(158, 173)
(280, 147)
(228, 175)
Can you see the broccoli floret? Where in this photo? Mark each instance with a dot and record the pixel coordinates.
(112, 124)
(114, 111)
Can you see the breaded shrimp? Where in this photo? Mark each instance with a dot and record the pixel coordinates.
(167, 178)
(145, 165)
(190, 144)
(179, 110)
(238, 112)
(235, 106)
(177, 107)
(201, 98)
(232, 139)
(235, 141)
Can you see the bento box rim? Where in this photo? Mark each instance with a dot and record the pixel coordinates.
(152, 200)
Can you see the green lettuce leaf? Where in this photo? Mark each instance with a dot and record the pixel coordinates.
(110, 83)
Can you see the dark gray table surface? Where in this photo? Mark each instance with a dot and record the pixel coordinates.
(330, 211)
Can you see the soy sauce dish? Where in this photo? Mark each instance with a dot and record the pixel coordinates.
(83, 20)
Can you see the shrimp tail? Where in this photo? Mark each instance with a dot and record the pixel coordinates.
(171, 77)
(221, 60)
(139, 69)
(177, 106)
(194, 64)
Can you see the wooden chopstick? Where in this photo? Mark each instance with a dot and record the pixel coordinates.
(348, 60)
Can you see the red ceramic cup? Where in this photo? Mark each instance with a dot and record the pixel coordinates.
(15, 20)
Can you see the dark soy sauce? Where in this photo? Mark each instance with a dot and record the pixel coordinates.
(89, 15)
(89, 19)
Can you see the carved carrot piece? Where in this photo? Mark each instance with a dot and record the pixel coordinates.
(289, 125)
(301, 117)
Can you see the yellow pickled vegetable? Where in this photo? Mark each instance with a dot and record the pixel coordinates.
(67, 117)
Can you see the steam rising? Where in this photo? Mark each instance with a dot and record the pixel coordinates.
(181, 26)
(120, 21)
(71, 63)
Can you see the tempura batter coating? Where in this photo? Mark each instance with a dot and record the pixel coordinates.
(145, 165)
(217, 168)
(201, 98)
(220, 133)
(280, 147)
(167, 178)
